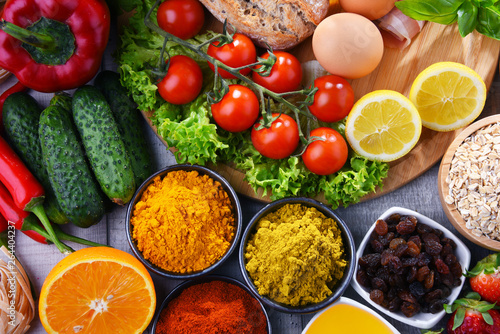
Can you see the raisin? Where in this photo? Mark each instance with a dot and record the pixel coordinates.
(409, 262)
(429, 280)
(441, 267)
(395, 304)
(450, 259)
(410, 309)
(363, 278)
(377, 246)
(416, 240)
(383, 273)
(424, 259)
(396, 281)
(447, 250)
(370, 260)
(448, 241)
(436, 306)
(395, 264)
(433, 295)
(386, 256)
(412, 274)
(393, 219)
(381, 227)
(456, 269)
(422, 273)
(424, 228)
(406, 226)
(379, 284)
(401, 250)
(413, 250)
(396, 242)
(377, 296)
(407, 296)
(417, 289)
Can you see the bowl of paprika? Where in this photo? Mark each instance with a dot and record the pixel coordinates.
(211, 304)
(184, 221)
(297, 255)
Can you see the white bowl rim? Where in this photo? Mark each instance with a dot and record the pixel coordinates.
(352, 302)
(420, 320)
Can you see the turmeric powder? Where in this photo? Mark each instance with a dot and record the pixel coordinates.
(184, 222)
(296, 255)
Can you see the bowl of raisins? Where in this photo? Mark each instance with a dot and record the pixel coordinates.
(408, 266)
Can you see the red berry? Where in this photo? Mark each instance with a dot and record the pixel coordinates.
(485, 278)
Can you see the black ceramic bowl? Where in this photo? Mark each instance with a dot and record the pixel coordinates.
(236, 210)
(178, 289)
(349, 249)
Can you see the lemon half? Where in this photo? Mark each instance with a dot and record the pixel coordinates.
(383, 125)
(448, 96)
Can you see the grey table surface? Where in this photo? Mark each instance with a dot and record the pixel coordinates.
(420, 195)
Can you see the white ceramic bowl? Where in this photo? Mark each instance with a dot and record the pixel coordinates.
(420, 320)
(352, 302)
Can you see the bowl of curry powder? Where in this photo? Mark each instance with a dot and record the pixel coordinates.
(184, 221)
(297, 255)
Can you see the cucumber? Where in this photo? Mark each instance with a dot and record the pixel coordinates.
(62, 99)
(21, 115)
(129, 121)
(103, 145)
(70, 176)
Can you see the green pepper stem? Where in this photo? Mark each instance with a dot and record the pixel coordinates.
(40, 213)
(68, 237)
(29, 37)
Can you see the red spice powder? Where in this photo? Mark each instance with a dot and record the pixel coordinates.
(216, 307)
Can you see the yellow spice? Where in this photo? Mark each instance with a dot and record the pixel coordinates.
(183, 222)
(296, 255)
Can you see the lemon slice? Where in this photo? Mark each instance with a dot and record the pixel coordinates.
(448, 96)
(383, 125)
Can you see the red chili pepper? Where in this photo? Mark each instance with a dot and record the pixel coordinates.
(26, 191)
(29, 224)
(18, 87)
(67, 57)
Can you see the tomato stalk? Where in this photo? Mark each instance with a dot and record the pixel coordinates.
(265, 66)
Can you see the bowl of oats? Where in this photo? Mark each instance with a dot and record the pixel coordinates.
(469, 182)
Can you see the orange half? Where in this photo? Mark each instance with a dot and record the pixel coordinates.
(97, 290)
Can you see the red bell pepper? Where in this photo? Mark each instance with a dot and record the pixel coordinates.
(66, 57)
(17, 87)
(27, 193)
(28, 224)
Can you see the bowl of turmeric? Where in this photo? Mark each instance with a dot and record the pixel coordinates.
(184, 221)
(297, 255)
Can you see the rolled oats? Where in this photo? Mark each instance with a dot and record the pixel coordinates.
(473, 182)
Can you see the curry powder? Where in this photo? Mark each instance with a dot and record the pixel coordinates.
(296, 255)
(184, 222)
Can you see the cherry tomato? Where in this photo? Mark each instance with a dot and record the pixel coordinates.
(280, 140)
(240, 52)
(324, 157)
(285, 75)
(181, 18)
(333, 100)
(183, 81)
(238, 110)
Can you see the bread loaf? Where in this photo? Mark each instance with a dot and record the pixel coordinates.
(279, 24)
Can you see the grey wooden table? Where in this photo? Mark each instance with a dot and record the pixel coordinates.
(420, 195)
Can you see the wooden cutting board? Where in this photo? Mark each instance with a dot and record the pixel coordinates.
(397, 71)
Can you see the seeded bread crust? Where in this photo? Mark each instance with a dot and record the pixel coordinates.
(280, 24)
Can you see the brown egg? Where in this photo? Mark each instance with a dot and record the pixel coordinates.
(348, 45)
(371, 9)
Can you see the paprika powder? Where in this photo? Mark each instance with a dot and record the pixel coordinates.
(213, 307)
(53, 45)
